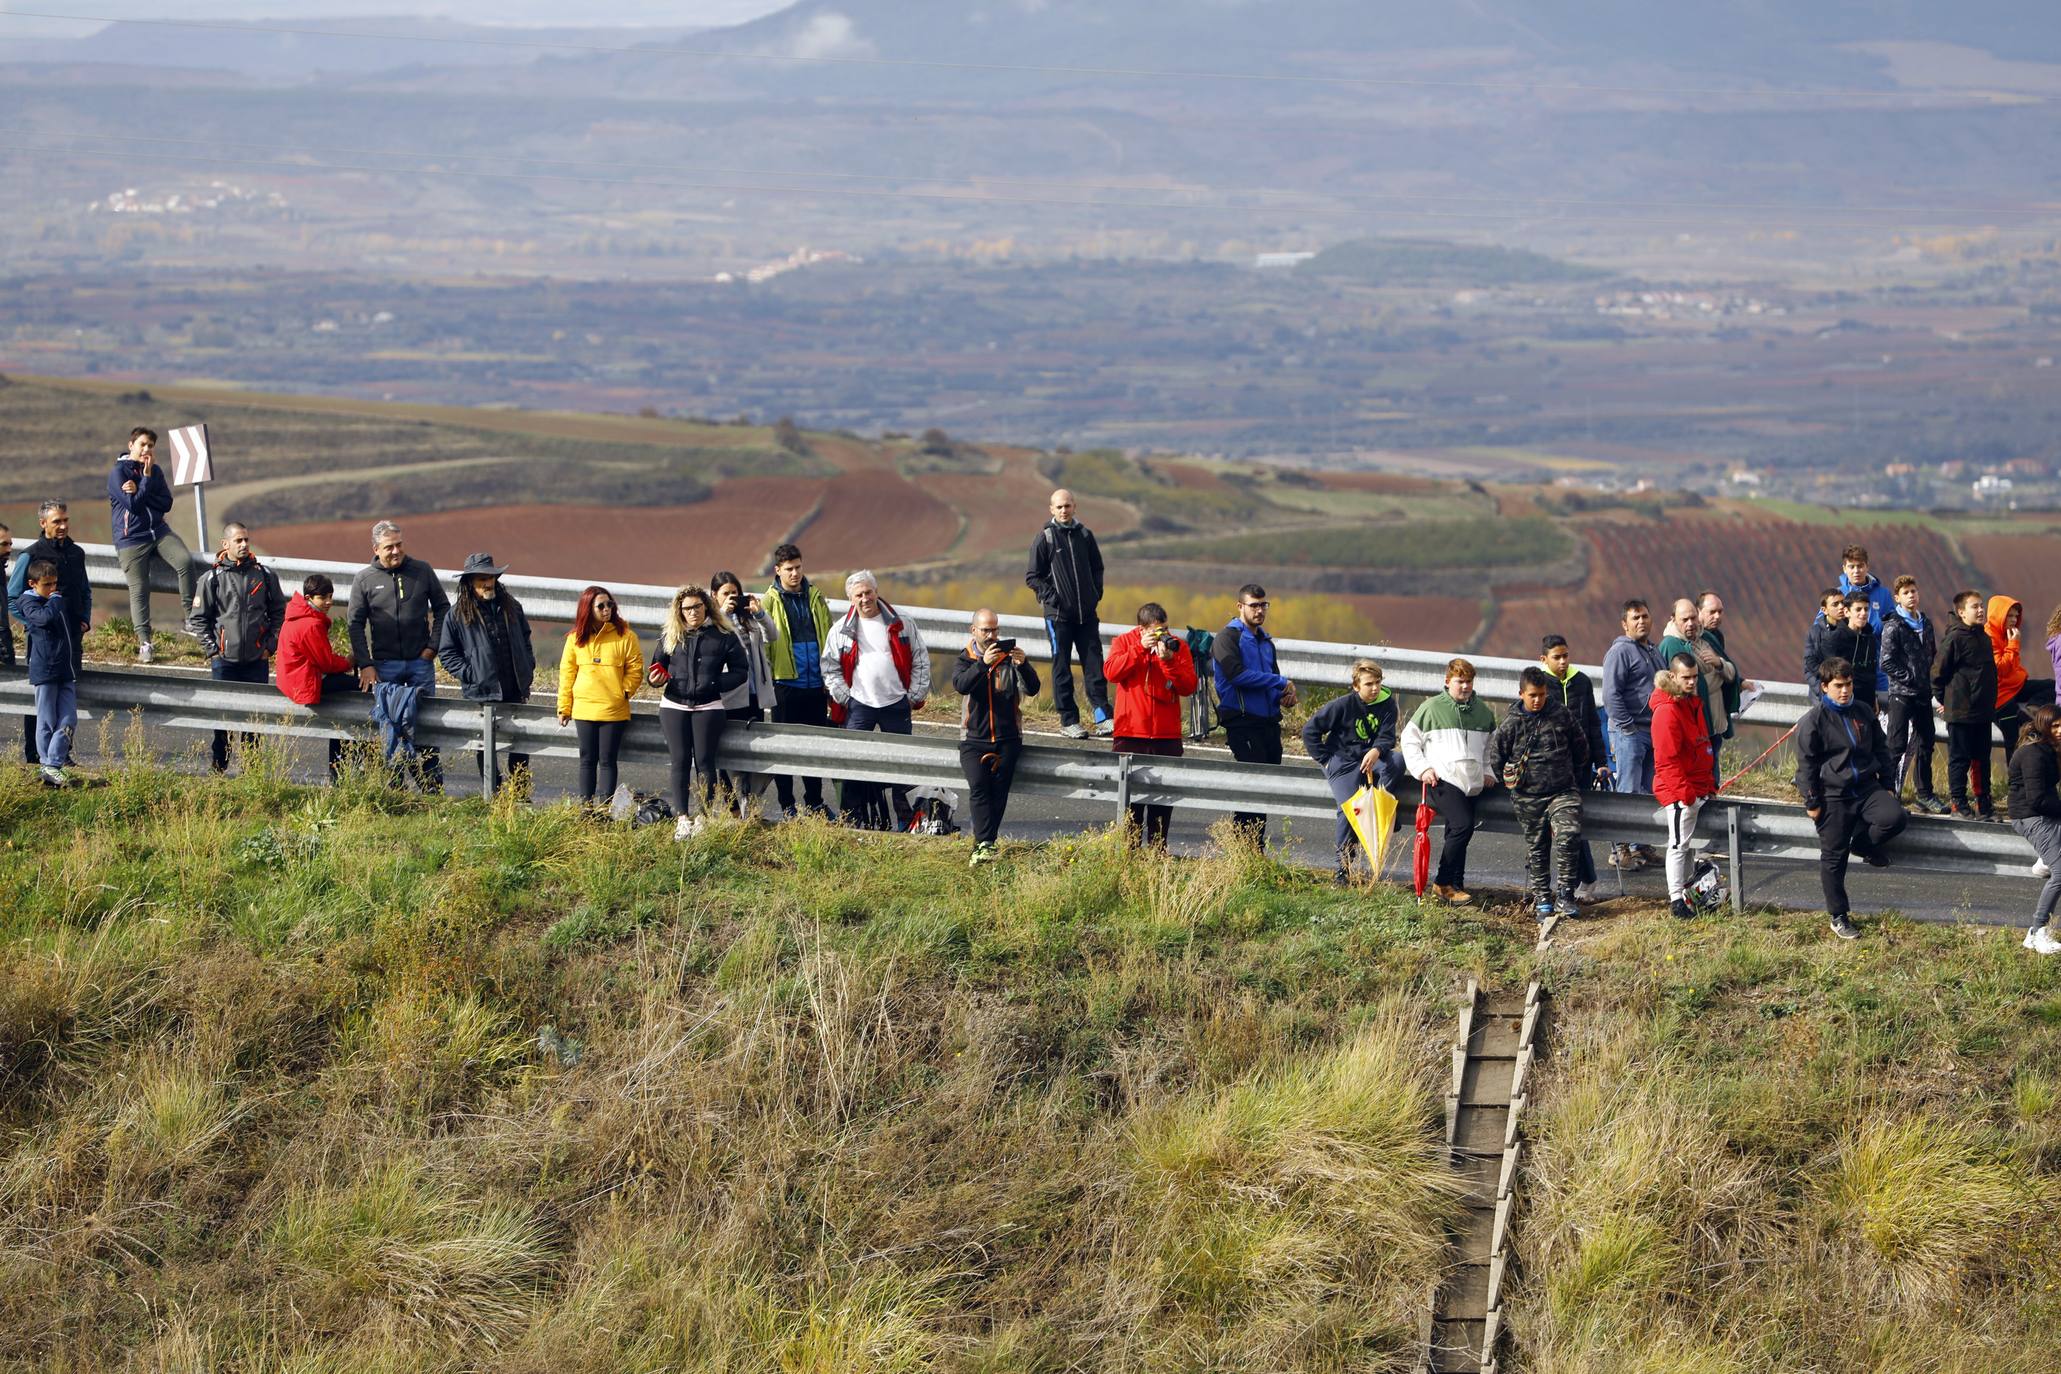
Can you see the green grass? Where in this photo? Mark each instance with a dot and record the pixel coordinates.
(350, 1079)
(1416, 544)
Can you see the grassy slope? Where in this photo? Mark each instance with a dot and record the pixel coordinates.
(276, 1093)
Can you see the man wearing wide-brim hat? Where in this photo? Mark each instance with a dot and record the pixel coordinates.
(486, 643)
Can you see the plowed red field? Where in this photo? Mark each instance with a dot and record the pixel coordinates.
(1768, 572)
(734, 529)
(2027, 566)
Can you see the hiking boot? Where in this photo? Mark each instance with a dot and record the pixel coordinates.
(2040, 940)
(1844, 928)
(1076, 730)
(1680, 909)
(54, 776)
(1450, 895)
(143, 651)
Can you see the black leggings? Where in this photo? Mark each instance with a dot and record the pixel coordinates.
(600, 742)
(691, 739)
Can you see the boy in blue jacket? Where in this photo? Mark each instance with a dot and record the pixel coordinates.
(41, 608)
(1353, 739)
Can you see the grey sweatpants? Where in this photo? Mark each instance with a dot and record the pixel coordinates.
(135, 560)
(2044, 834)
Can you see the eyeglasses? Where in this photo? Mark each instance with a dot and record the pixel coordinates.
(1257, 605)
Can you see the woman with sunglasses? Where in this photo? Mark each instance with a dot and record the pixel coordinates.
(697, 660)
(597, 676)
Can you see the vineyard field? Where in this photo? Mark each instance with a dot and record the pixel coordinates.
(1769, 574)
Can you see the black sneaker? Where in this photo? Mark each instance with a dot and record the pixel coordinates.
(1341, 878)
(1680, 909)
(1873, 858)
(1844, 928)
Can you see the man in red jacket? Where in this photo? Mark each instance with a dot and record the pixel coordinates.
(1151, 670)
(308, 668)
(1684, 773)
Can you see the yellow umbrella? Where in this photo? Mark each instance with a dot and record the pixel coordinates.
(1371, 812)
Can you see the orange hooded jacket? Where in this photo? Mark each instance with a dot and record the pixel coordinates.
(2010, 668)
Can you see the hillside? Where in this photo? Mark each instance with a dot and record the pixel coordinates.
(345, 1079)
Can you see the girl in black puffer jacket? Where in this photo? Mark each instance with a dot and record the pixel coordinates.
(698, 658)
(2036, 814)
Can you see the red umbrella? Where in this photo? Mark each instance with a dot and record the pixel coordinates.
(1420, 848)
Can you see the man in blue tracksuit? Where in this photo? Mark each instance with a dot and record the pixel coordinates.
(1855, 577)
(140, 504)
(1628, 670)
(1250, 693)
(1066, 574)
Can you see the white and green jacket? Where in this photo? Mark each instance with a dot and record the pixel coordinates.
(1451, 738)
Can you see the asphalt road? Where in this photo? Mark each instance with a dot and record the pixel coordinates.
(1495, 867)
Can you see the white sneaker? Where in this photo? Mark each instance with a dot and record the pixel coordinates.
(143, 652)
(1074, 731)
(683, 827)
(2040, 869)
(1585, 894)
(55, 777)
(2040, 940)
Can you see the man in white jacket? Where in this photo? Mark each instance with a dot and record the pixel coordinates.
(877, 671)
(1445, 747)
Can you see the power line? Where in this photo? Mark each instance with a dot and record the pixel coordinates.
(1029, 69)
(1413, 204)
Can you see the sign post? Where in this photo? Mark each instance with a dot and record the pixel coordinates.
(193, 466)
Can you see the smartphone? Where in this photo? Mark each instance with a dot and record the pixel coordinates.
(1007, 646)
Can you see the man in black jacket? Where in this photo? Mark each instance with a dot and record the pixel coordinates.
(57, 547)
(397, 614)
(1066, 573)
(994, 679)
(1908, 649)
(1844, 773)
(238, 609)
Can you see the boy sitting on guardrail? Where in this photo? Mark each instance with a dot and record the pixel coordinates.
(1353, 739)
(1845, 774)
(1541, 754)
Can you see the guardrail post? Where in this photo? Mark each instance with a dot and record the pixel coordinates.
(1123, 786)
(1735, 850)
(486, 743)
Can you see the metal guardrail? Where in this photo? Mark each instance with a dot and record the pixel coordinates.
(1417, 671)
(1748, 830)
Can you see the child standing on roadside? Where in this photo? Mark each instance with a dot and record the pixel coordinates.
(1966, 682)
(1844, 773)
(41, 608)
(1542, 755)
(2036, 814)
(1908, 649)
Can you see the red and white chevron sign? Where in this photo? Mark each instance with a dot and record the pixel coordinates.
(190, 461)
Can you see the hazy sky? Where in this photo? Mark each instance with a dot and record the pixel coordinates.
(566, 13)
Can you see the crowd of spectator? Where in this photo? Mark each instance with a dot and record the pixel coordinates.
(1878, 673)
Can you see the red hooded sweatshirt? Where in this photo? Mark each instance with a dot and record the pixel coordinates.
(1683, 769)
(2010, 667)
(304, 652)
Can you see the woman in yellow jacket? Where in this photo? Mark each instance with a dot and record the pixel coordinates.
(597, 676)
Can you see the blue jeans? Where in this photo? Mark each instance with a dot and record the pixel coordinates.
(419, 672)
(866, 804)
(57, 716)
(1631, 760)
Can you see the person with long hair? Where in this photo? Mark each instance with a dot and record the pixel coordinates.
(750, 699)
(697, 660)
(2036, 813)
(486, 645)
(597, 676)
